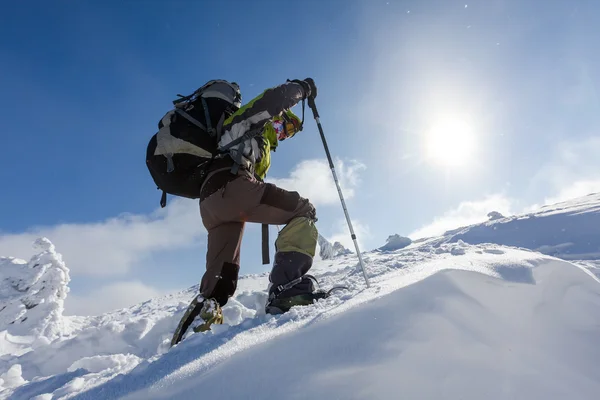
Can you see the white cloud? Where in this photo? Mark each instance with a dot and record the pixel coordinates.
(576, 189)
(573, 170)
(313, 180)
(113, 246)
(467, 213)
(342, 234)
(111, 297)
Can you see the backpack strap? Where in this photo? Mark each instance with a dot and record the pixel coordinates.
(210, 129)
(190, 118)
(265, 244)
(163, 199)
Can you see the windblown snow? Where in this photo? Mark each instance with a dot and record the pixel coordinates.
(486, 311)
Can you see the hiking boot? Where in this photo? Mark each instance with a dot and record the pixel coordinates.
(208, 310)
(210, 313)
(279, 305)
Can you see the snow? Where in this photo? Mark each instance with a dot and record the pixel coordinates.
(472, 337)
(326, 250)
(32, 298)
(396, 242)
(567, 230)
(476, 313)
(494, 215)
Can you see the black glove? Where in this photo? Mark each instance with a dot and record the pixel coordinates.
(309, 87)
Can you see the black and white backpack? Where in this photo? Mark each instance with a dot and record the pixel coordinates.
(180, 153)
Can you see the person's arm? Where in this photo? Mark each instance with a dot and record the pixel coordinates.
(261, 109)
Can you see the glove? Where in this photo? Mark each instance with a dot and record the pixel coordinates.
(309, 87)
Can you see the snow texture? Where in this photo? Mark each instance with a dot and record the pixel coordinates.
(455, 316)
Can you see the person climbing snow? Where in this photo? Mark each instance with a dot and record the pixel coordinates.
(233, 191)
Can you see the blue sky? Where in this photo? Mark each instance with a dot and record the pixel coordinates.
(439, 110)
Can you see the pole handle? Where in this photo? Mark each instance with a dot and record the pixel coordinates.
(313, 106)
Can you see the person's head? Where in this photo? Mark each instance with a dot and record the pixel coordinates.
(290, 125)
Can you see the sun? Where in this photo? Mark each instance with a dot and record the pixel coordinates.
(450, 142)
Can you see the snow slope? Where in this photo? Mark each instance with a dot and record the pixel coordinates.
(568, 230)
(442, 319)
(454, 335)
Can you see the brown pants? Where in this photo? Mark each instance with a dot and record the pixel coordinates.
(224, 214)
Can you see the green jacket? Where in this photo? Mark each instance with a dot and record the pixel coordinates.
(260, 113)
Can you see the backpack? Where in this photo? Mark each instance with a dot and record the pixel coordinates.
(179, 155)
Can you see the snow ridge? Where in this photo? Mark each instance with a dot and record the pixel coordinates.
(327, 251)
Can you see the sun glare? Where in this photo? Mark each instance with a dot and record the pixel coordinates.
(450, 142)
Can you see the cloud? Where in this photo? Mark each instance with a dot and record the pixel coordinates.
(342, 234)
(573, 170)
(572, 164)
(576, 189)
(467, 213)
(313, 180)
(111, 297)
(113, 246)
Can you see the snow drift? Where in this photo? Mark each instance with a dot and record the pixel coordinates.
(568, 230)
(455, 334)
(449, 317)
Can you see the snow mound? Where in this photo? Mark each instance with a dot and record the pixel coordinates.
(455, 334)
(494, 215)
(396, 242)
(32, 294)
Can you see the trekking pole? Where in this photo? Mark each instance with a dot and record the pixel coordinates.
(313, 107)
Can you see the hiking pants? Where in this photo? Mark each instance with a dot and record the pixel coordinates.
(246, 199)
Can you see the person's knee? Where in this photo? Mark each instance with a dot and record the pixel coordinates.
(299, 235)
(288, 201)
(280, 198)
(308, 210)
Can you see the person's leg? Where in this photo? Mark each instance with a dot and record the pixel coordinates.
(220, 279)
(246, 199)
(222, 261)
(296, 243)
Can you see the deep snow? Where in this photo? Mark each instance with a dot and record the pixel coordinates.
(443, 319)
